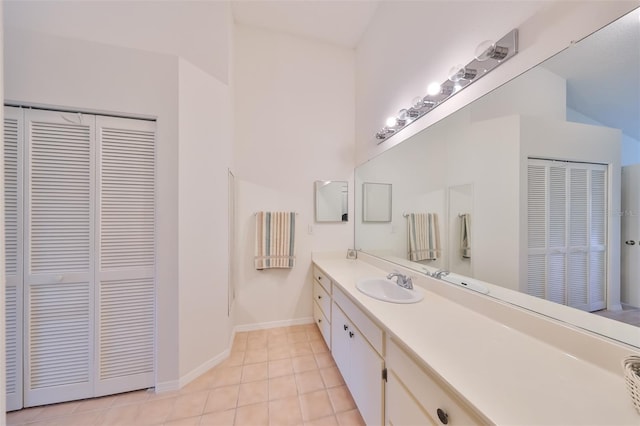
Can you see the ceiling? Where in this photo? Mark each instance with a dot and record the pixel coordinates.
(338, 22)
(603, 75)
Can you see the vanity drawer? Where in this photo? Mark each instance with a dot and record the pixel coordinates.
(367, 327)
(322, 298)
(323, 324)
(400, 407)
(322, 278)
(426, 390)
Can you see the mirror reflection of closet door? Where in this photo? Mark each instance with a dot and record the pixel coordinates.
(567, 223)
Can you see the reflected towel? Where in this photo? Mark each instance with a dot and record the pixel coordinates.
(465, 235)
(275, 240)
(423, 235)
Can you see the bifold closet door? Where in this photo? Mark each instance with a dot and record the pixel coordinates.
(13, 138)
(58, 256)
(125, 284)
(80, 255)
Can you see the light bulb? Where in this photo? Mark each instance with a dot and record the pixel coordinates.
(391, 121)
(456, 73)
(456, 87)
(433, 89)
(401, 118)
(417, 102)
(427, 102)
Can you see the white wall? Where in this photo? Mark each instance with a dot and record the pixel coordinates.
(410, 44)
(204, 158)
(195, 30)
(294, 124)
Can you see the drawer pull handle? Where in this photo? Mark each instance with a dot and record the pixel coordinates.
(351, 334)
(319, 296)
(443, 416)
(345, 327)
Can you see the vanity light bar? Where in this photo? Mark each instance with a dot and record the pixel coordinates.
(488, 57)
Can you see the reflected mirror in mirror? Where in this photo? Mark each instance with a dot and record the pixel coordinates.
(547, 167)
(376, 202)
(331, 201)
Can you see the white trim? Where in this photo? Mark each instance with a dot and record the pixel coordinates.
(168, 386)
(271, 324)
(203, 368)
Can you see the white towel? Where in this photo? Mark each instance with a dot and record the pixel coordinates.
(424, 236)
(465, 236)
(275, 240)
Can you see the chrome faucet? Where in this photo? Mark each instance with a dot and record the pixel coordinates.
(439, 274)
(401, 280)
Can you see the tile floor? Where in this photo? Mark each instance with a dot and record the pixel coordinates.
(628, 314)
(280, 376)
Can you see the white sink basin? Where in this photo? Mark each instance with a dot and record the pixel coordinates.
(388, 291)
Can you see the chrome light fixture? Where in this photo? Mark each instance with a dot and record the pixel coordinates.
(488, 56)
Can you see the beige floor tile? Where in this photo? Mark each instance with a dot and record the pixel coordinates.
(253, 415)
(297, 328)
(221, 399)
(226, 376)
(257, 342)
(309, 381)
(325, 360)
(298, 336)
(254, 392)
(155, 411)
(324, 421)
(239, 346)
(282, 367)
(315, 405)
(254, 372)
(282, 387)
(257, 334)
(190, 421)
(56, 410)
(285, 412)
(234, 359)
(341, 399)
(256, 356)
(304, 363)
(130, 397)
(220, 418)
(331, 377)
(318, 346)
(300, 349)
(86, 418)
(23, 416)
(199, 384)
(95, 404)
(279, 352)
(121, 415)
(350, 418)
(189, 405)
(277, 331)
(314, 334)
(277, 340)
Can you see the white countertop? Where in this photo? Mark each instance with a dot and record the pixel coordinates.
(508, 376)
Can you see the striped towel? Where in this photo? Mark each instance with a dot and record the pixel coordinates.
(465, 236)
(275, 240)
(424, 236)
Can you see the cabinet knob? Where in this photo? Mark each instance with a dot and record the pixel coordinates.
(351, 334)
(319, 296)
(443, 416)
(346, 327)
(319, 320)
(319, 278)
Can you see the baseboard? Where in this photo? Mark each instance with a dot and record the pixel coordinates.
(272, 324)
(171, 385)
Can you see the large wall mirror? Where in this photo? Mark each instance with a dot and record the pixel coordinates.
(534, 187)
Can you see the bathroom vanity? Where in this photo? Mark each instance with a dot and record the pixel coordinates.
(459, 357)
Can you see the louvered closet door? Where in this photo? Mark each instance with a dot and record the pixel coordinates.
(58, 252)
(13, 139)
(126, 261)
(567, 225)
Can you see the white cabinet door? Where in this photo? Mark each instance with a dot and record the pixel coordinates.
(360, 365)
(340, 340)
(366, 385)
